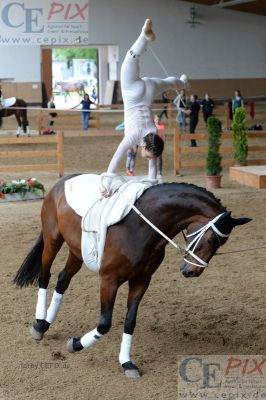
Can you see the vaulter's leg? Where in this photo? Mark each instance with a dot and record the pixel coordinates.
(137, 288)
(162, 85)
(130, 67)
(108, 291)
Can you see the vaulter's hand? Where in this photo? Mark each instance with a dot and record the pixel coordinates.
(104, 192)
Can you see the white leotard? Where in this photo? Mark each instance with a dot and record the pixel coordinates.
(138, 95)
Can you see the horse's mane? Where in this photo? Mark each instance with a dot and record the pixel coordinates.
(193, 188)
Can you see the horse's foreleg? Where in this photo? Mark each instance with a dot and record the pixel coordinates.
(108, 290)
(136, 292)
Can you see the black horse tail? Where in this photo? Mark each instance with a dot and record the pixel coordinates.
(30, 269)
(1, 121)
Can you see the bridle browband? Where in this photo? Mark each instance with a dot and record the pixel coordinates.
(199, 234)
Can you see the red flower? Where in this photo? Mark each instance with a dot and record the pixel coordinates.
(30, 183)
(2, 195)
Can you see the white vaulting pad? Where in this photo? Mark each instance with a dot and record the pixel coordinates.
(9, 102)
(83, 196)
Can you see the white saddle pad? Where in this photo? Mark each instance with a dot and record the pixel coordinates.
(83, 196)
(9, 102)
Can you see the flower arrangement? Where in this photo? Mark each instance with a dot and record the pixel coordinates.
(21, 186)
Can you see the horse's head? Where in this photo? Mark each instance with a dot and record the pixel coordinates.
(204, 240)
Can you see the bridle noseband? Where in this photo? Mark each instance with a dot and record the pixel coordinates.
(199, 234)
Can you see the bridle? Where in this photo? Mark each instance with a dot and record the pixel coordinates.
(199, 235)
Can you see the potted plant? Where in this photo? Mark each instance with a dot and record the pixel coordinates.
(240, 136)
(214, 158)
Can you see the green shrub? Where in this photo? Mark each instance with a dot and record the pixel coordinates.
(213, 161)
(240, 136)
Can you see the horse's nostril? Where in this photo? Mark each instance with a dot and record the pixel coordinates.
(188, 274)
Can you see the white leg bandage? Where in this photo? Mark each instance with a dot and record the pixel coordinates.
(54, 307)
(125, 348)
(41, 304)
(90, 338)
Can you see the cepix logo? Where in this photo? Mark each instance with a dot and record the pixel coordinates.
(231, 377)
(22, 15)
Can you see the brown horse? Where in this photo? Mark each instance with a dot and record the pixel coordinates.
(19, 109)
(67, 87)
(133, 252)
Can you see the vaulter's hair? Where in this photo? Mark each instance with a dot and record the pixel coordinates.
(154, 144)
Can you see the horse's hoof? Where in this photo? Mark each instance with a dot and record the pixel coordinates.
(131, 370)
(69, 345)
(73, 345)
(35, 334)
(132, 373)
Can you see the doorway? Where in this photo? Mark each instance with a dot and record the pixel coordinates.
(68, 73)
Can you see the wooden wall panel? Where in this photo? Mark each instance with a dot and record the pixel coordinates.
(31, 92)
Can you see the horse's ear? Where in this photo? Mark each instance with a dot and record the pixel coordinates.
(226, 223)
(227, 214)
(241, 221)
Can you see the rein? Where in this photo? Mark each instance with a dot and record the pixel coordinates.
(240, 251)
(159, 61)
(151, 224)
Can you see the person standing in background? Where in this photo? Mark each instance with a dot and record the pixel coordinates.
(237, 101)
(193, 113)
(94, 94)
(51, 104)
(166, 101)
(207, 105)
(181, 104)
(85, 112)
(160, 127)
(131, 160)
